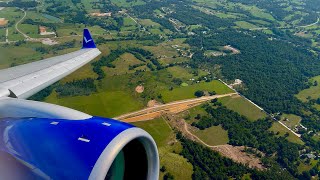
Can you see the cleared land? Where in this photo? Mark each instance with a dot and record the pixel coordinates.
(213, 136)
(290, 120)
(313, 92)
(188, 92)
(172, 108)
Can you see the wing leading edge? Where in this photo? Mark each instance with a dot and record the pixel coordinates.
(25, 80)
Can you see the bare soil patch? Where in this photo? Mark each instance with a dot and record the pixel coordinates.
(234, 50)
(237, 154)
(153, 103)
(139, 89)
(3, 22)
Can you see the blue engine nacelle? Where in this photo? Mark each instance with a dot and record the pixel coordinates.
(95, 148)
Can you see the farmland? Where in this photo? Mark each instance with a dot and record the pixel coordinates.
(168, 148)
(188, 92)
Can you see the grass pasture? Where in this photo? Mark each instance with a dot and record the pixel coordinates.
(303, 166)
(213, 136)
(149, 22)
(10, 56)
(106, 103)
(245, 25)
(180, 72)
(164, 136)
(181, 93)
(277, 127)
(293, 120)
(12, 14)
(243, 107)
(158, 129)
(122, 65)
(313, 92)
(125, 3)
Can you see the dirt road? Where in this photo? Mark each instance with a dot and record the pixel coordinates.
(16, 26)
(173, 107)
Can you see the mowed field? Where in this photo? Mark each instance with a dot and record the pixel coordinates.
(212, 136)
(106, 103)
(168, 148)
(181, 93)
(313, 92)
(243, 107)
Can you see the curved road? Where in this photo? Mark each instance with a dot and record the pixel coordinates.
(16, 26)
(196, 137)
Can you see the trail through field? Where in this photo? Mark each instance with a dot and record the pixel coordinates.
(16, 26)
(7, 34)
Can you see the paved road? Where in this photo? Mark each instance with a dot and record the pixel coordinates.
(170, 105)
(296, 134)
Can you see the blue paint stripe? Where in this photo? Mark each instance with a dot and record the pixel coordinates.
(55, 148)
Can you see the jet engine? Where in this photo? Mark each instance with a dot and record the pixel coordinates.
(61, 148)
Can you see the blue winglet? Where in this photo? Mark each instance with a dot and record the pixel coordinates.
(87, 41)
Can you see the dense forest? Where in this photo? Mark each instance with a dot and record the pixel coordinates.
(272, 70)
(77, 88)
(19, 3)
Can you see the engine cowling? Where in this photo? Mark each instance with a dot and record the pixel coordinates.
(95, 148)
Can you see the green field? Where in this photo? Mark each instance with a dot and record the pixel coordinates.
(9, 55)
(125, 3)
(313, 92)
(292, 122)
(164, 136)
(30, 30)
(158, 129)
(213, 136)
(245, 25)
(11, 14)
(277, 127)
(307, 166)
(180, 72)
(107, 103)
(255, 11)
(243, 107)
(148, 22)
(181, 93)
(122, 65)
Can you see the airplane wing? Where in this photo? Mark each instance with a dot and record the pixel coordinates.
(25, 80)
(46, 141)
